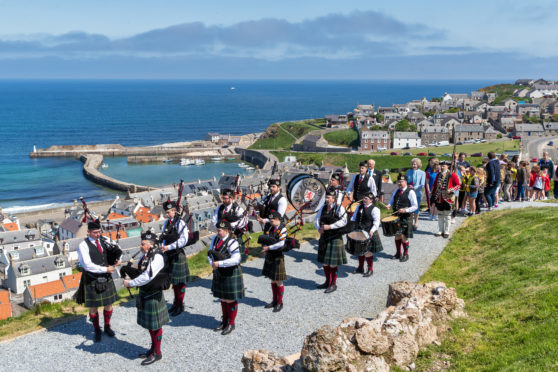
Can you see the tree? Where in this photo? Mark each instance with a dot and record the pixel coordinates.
(403, 126)
(379, 118)
(436, 99)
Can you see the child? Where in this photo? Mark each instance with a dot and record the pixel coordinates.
(462, 199)
(521, 181)
(535, 183)
(546, 182)
(472, 189)
(508, 182)
(480, 195)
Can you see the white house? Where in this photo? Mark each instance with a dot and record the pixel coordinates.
(125, 207)
(405, 139)
(36, 271)
(55, 291)
(8, 258)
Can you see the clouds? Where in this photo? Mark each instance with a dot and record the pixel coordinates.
(332, 36)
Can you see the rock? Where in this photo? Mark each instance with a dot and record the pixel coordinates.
(371, 341)
(328, 349)
(405, 349)
(262, 360)
(397, 291)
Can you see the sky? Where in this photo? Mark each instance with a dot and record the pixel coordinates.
(304, 39)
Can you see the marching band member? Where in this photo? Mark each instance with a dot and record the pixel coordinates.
(404, 202)
(275, 201)
(445, 185)
(331, 253)
(152, 277)
(96, 287)
(367, 218)
(361, 184)
(229, 210)
(273, 241)
(174, 238)
(335, 184)
(227, 285)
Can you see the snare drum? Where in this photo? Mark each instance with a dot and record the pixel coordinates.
(390, 225)
(358, 243)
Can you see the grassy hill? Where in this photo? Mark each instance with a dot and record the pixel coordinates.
(343, 137)
(503, 92)
(282, 136)
(504, 265)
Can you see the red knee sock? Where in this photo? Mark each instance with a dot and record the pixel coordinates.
(280, 292)
(95, 320)
(361, 262)
(179, 291)
(333, 274)
(369, 262)
(156, 337)
(406, 248)
(327, 272)
(274, 290)
(225, 310)
(398, 246)
(107, 315)
(233, 309)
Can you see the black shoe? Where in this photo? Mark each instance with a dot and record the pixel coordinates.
(330, 289)
(323, 286)
(270, 305)
(152, 359)
(179, 310)
(445, 236)
(368, 273)
(172, 309)
(228, 329)
(278, 308)
(220, 327)
(98, 336)
(146, 354)
(358, 270)
(404, 258)
(396, 256)
(109, 332)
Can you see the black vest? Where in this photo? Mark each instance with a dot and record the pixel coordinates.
(402, 201)
(360, 188)
(161, 281)
(97, 258)
(170, 233)
(230, 216)
(364, 218)
(223, 252)
(273, 206)
(328, 219)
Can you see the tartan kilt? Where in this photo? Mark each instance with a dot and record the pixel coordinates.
(405, 227)
(228, 283)
(274, 266)
(375, 243)
(154, 313)
(179, 268)
(332, 252)
(90, 296)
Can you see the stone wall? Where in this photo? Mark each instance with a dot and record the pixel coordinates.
(91, 172)
(262, 158)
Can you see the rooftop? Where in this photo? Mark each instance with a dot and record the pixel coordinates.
(71, 281)
(46, 289)
(5, 306)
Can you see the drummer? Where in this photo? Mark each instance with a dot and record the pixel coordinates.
(404, 202)
(367, 220)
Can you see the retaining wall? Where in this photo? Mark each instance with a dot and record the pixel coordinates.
(91, 163)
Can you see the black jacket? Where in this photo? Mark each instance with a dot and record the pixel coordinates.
(493, 172)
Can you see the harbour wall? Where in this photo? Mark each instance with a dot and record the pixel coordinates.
(91, 164)
(262, 158)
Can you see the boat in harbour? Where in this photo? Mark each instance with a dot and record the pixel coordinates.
(104, 165)
(199, 162)
(243, 165)
(167, 160)
(186, 162)
(218, 158)
(250, 168)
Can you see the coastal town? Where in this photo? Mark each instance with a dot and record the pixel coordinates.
(38, 251)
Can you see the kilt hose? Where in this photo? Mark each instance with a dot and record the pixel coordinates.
(179, 268)
(274, 266)
(154, 313)
(228, 283)
(375, 243)
(331, 252)
(88, 295)
(405, 227)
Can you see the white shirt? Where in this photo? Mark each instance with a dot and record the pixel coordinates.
(239, 214)
(412, 198)
(183, 235)
(85, 260)
(371, 185)
(235, 258)
(156, 264)
(281, 242)
(337, 225)
(375, 215)
(281, 207)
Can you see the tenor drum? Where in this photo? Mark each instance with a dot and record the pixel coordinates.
(306, 193)
(390, 225)
(358, 243)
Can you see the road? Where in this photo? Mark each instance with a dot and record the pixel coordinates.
(533, 148)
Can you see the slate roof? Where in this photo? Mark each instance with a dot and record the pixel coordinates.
(27, 253)
(529, 128)
(10, 237)
(469, 128)
(435, 129)
(71, 225)
(369, 134)
(40, 265)
(408, 135)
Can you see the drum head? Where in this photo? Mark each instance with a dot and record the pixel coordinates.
(358, 236)
(390, 219)
(306, 193)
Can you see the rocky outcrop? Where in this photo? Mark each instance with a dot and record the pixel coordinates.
(416, 316)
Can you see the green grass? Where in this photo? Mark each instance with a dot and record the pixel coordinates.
(284, 135)
(343, 137)
(505, 91)
(497, 146)
(505, 266)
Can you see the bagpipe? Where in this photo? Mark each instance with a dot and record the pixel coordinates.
(193, 236)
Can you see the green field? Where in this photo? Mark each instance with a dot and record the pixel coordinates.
(505, 266)
(282, 136)
(343, 137)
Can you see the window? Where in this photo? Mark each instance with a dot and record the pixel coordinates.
(59, 262)
(61, 275)
(26, 283)
(45, 278)
(24, 270)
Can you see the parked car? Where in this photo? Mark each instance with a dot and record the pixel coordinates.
(534, 160)
(469, 141)
(431, 154)
(483, 141)
(551, 143)
(477, 155)
(394, 153)
(516, 137)
(420, 146)
(421, 154)
(382, 148)
(459, 143)
(446, 154)
(407, 153)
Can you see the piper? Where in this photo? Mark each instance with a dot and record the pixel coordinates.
(404, 202)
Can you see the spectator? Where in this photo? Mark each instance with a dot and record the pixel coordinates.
(461, 160)
(416, 180)
(377, 176)
(546, 182)
(431, 174)
(555, 179)
(546, 163)
(508, 182)
(522, 181)
(482, 183)
(428, 184)
(492, 179)
(472, 189)
(536, 183)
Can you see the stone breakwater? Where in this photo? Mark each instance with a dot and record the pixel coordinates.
(91, 164)
(417, 316)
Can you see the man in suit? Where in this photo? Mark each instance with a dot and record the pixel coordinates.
(377, 176)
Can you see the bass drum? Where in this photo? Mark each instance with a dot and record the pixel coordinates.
(306, 193)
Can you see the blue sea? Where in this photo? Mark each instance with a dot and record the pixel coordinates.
(45, 113)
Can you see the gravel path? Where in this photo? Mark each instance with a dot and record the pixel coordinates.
(189, 344)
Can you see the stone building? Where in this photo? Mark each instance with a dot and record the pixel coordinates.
(374, 140)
